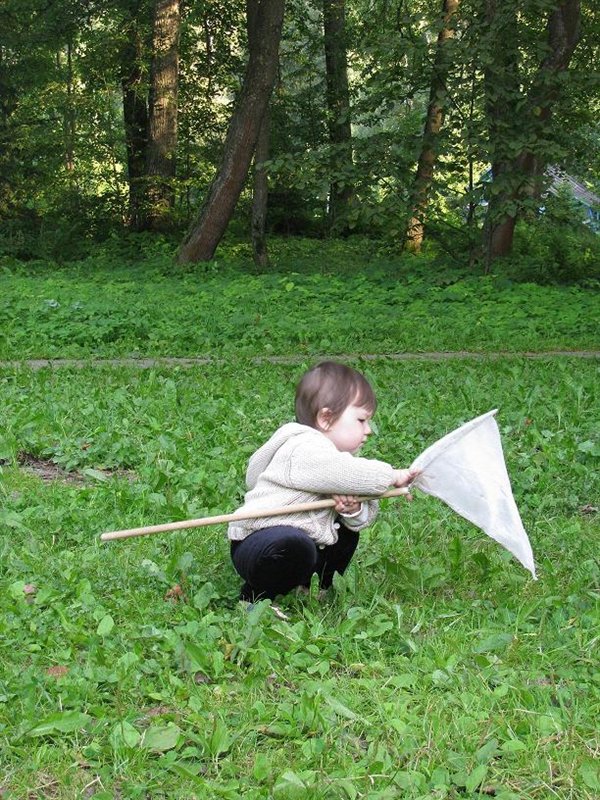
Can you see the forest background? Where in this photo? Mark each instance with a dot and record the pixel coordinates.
(426, 124)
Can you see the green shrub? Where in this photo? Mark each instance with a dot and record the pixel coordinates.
(549, 252)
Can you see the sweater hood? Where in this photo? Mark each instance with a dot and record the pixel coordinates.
(263, 457)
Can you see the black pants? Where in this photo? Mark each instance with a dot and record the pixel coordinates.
(275, 560)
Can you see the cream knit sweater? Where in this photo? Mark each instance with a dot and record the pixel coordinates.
(298, 464)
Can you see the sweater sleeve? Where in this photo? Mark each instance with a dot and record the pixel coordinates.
(364, 518)
(325, 470)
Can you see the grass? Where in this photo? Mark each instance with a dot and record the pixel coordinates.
(317, 297)
(435, 669)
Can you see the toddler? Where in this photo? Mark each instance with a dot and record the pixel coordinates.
(300, 463)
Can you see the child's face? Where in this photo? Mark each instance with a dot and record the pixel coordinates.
(349, 432)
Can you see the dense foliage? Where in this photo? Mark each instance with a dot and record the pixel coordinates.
(70, 72)
(336, 297)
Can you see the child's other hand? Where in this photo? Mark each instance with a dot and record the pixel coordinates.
(346, 504)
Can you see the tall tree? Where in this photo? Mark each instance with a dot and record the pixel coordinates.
(338, 110)
(134, 87)
(260, 194)
(260, 184)
(519, 123)
(69, 116)
(244, 127)
(162, 127)
(438, 99)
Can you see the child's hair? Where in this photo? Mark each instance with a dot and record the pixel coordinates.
(333, 386)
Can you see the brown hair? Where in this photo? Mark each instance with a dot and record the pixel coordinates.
(333, 386)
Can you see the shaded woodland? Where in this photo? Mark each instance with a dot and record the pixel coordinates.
(416, 121)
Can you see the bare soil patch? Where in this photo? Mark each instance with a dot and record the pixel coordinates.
(47, 470)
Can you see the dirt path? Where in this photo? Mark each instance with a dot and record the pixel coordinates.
(148, 363)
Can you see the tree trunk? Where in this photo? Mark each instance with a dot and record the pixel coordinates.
(162, 128)
(502, 96)
(518, 178)
(260, 194)
(433, 125)
(69, 119)
(341, 190)
(135, 117)
(244, 127)
(260, 186)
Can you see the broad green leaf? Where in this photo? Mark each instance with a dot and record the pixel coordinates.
(262, 767)
(160, 738)
(476, 778)
(485, 753)
(189, 772)
(16, 590)
(590, 775)
(410, 779)
(126, 661)
(124, 733)
(105, 625)
(349, 788)
(196, 654)
(340, 709)
(589, 446)
(185, 562)
(498, 641)
(290, 785)
(11, 519)
(513, 746)
(439, 677)
(61, 722)
(96, 474)
(153, 569)
(440, 778)
(204, 595)
(399, 725)
(406, 680)
(219, 740)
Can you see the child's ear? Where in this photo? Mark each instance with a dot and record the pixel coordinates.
(324, 419)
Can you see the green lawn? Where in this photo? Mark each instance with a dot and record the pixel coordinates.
(319, 297)
(436, 669)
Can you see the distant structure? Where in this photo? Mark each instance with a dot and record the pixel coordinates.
(560, 182)
(589, 201)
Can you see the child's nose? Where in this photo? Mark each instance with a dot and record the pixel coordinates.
(367, 428)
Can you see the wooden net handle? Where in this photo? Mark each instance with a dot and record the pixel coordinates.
(224, 518)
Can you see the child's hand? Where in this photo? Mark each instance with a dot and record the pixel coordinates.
(346, 504)
(404, 477)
